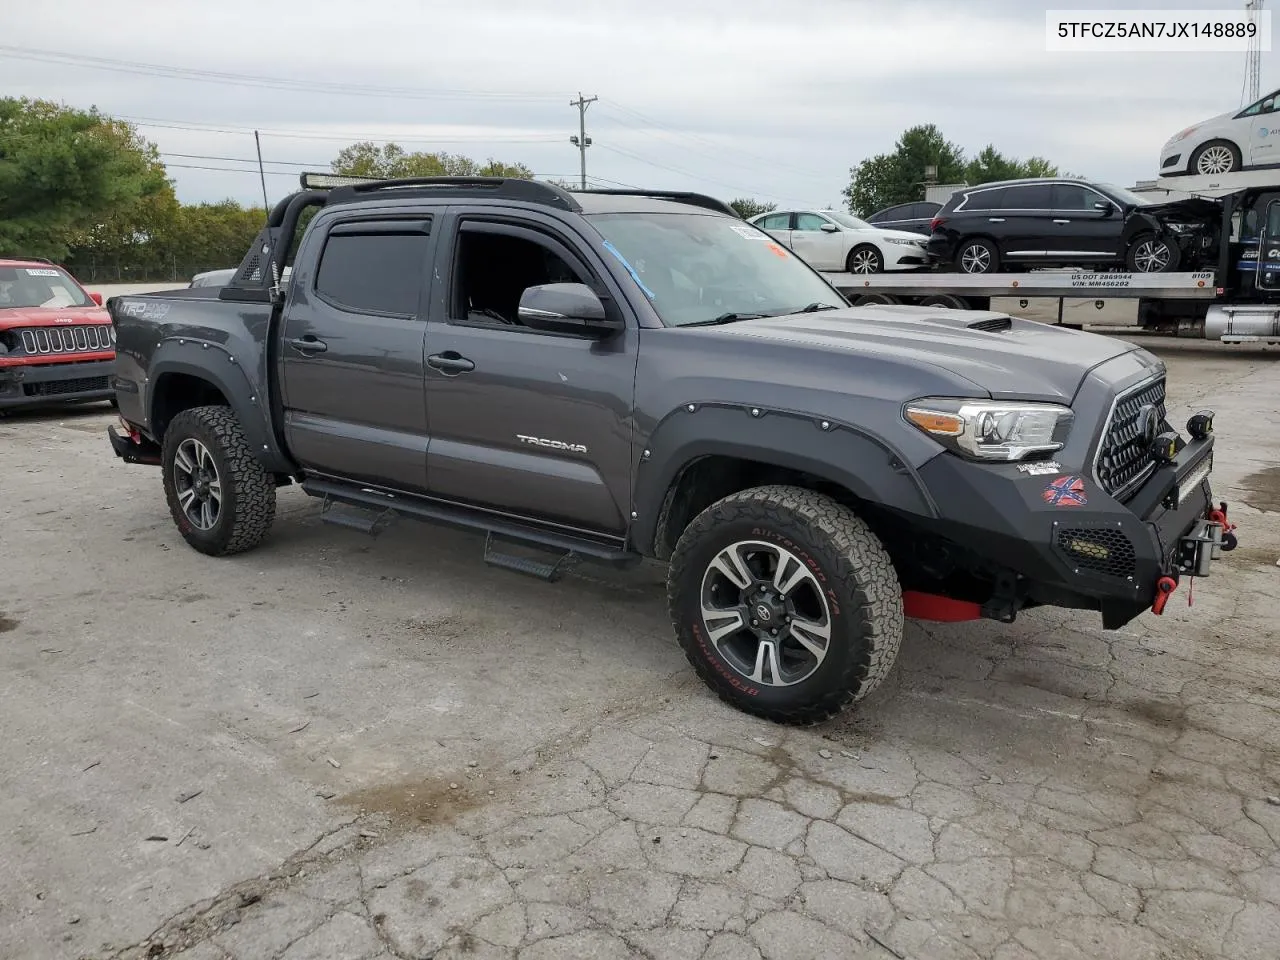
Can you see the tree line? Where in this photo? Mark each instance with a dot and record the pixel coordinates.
(86, 190)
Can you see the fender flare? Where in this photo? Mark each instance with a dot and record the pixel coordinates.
(212, 363)
(868, 466)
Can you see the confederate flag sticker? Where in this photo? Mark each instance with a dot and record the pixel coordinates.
(1065, 492)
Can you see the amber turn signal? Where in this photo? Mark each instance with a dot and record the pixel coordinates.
(935, 422)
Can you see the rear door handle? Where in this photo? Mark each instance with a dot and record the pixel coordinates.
(1062, 221)
(308, 344)
(995, 220)
(450, 363)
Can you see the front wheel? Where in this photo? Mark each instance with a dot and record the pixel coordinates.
(786, 604)
(1215, 157)
(1151, 254)
(219, 495)
(864, 259)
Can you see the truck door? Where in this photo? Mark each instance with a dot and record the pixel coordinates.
(351, 353)
(1268, 261)
(525, 421)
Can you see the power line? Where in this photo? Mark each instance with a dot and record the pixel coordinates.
(252, 80)
(197, 127)
(696, 176)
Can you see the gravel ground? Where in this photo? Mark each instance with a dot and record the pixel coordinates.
(338, 747)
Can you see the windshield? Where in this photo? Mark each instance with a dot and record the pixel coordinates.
(1125, 196)
(845, 220)
(695, 268)
(45, 287)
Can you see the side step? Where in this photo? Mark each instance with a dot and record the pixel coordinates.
(355, 518)
(543, 570)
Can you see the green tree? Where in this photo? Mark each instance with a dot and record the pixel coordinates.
(749, 207)
(66, 173)
(366, 159)
(897, 177)
(990, 165)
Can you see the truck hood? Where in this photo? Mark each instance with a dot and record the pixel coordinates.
(46, 317)
(1012, 359)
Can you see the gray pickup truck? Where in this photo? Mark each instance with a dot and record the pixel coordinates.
(614, 375)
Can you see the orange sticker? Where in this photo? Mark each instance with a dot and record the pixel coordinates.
(776, 250)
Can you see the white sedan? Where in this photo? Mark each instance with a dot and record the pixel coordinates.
(1230, 142)
(833, 241)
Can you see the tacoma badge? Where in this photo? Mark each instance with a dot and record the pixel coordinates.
(553, 444)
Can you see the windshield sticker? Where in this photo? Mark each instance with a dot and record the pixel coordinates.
(776, 250)
(746, 232)
(1065, 492)
(42, 272)
(630, 269)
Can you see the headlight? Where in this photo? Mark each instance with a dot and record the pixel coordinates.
(1182, 136)
(992, 430)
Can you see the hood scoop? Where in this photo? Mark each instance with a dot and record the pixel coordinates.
(991, 324)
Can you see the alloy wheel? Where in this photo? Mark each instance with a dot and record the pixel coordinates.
(196, 481)
(976, 258)
(765, 613)
(865, 261)
(1152, 256)
(1215, 159)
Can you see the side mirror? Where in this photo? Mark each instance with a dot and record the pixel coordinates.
(96, 298)
(566, 308)
(1104, 207)
(830, 228)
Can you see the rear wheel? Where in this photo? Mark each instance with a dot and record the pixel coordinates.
(977, 256)
(948, 300)
(1214, 157)
(785, 602)
(1151, 254)
(219, 495)
(871, 299)
(864, 259)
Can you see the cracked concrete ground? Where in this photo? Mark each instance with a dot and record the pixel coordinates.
(342, 748)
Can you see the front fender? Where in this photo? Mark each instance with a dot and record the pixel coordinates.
(866, 465)
(213, 363)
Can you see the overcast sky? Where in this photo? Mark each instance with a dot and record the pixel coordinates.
(729, 97)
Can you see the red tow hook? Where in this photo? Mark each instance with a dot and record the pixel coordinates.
(1229, 541)
(1164, 590)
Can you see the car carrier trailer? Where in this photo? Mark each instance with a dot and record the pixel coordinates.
(1237, 302)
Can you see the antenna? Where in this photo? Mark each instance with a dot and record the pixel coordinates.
(1253, 56)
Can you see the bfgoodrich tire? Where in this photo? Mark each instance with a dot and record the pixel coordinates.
(219, 495)
(785, 603)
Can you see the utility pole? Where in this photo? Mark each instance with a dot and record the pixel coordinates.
(582, 141)
(262, 173)
(1253, 56)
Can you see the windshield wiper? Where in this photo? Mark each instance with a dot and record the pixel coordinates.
(725, 318)
(816, 306)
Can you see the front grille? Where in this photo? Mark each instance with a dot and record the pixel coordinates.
(41, 341)
(1103, 550)
(58, 388)
(1123, 458)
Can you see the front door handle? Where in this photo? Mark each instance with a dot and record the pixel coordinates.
(308, 344)
(1062, 221)
(995, 219)
(451, 363)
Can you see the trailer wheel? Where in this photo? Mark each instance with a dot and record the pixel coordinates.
(871, 299)
(977, 255)
(948, 300)
(1215, 157)
(1151, 254)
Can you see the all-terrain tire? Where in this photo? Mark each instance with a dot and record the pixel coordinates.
(859, 585)
(248, 505)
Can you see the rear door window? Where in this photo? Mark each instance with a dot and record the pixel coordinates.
(1031, 197)
(376, 272)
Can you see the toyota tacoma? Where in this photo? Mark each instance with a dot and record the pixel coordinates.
(620, 375)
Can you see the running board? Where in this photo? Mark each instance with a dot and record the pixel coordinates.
(543, 570)
(356, 518)
(506, 528)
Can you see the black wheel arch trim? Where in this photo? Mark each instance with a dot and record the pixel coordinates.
(212, 363)
(870, 467)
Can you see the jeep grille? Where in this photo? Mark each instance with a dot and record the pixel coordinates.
(38, 341)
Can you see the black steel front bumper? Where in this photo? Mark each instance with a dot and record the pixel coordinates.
(44, 384)
(1062, 540)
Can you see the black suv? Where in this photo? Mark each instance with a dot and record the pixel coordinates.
(915, 217)
(1070, 223)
